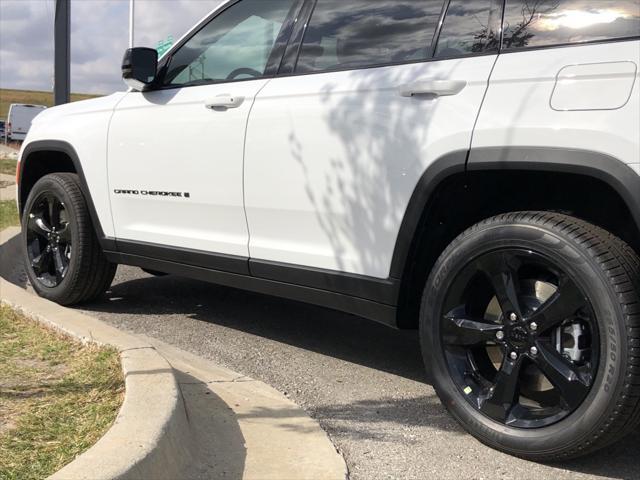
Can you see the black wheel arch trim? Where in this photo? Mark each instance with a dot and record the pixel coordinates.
(107, 243)
(610, 170)
(450, 164)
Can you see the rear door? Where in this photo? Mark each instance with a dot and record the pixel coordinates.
(336, 146)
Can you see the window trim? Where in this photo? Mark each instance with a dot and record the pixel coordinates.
(298, 21)
(504, 51)
(290, 57)
(273, 62)
(499, 3)
(436, 36)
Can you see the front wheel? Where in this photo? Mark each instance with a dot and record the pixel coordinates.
(63, 259)
(530, 325)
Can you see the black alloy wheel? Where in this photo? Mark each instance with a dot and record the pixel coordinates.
(63, 258)
(530, 328)
(520, 338)
(49, 241)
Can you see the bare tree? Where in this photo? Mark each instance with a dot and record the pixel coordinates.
(520, 34)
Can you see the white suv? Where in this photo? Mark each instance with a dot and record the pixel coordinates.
(471, 169)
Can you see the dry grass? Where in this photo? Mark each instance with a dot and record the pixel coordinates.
(8, 166)
(8, 214)
(7, 97)
(57, 397)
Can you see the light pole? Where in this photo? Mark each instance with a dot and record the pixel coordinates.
(62, 53)
(132, 10)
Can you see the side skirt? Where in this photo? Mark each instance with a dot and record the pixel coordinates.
(379, 312)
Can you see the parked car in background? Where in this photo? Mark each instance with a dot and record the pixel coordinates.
(2, 130)
(19, 119)
(469, 169)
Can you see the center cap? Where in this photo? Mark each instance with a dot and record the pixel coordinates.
(519, 336)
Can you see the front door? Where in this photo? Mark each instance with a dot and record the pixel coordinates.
(175, 154)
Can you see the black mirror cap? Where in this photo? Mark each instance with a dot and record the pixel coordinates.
(139, 67)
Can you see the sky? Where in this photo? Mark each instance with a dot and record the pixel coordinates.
(99, 37)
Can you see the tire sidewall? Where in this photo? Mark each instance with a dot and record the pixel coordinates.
(49, 184)
(576, 261)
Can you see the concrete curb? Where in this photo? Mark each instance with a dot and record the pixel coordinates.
(183, 416)
(150, 436)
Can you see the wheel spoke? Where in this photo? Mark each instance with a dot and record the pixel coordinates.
(502, 270)
(500, 399)
(37, 225)
(459, 330)
(60, 264)
(571, 384)
(41, 263)
(563, 304)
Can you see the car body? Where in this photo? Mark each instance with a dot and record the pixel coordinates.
(19, 119)
(336, 165)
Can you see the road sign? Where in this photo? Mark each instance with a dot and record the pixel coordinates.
(164, 45)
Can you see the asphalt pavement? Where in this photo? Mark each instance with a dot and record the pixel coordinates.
(364, 382)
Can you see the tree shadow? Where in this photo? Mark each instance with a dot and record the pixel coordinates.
(304, 326)
(359, 179)
(216, 442)
(360, 420)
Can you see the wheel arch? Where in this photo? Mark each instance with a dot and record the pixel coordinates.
(462, 188)
(42, 157)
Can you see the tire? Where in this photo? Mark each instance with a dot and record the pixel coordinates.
(549, 281)
(65, 265)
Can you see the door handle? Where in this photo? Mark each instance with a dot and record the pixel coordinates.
(224, 102)
(437, 88)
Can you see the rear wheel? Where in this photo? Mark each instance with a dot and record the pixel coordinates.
(63, 259)
(530, 325)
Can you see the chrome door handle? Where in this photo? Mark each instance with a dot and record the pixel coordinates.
(223, 102)
(437, 88)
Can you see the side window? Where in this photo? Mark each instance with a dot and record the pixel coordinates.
(234, 45)
(539, 23)
(346, 34)
(470, 27)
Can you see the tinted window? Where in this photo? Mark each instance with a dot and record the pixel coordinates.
(234, 45)
(360, 33)
(470, 27)
(535, 23)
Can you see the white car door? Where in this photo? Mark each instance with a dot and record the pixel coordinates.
(176, 153)
(336, 148)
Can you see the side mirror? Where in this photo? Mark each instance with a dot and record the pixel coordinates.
(139, 67)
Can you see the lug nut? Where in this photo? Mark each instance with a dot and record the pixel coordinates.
(513, 317)
(500, 335)
(534, 351)
(513, 356)
(533, 326)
